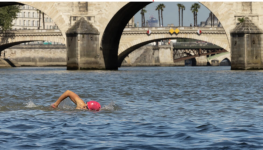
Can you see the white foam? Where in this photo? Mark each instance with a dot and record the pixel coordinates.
(30, 104)
(110, 107)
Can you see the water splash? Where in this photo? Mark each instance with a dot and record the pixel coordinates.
(30, 104)
(110, 107)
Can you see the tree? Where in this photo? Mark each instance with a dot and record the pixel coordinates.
(179, 7)
(162, 6)
(194, 9)
(143, 11)
(158, 8)
(182, 8)
(7, 15)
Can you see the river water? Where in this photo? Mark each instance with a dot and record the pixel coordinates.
(143, 108)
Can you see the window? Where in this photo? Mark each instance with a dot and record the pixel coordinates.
(24, 22)
(33, 15)
(33, 23)
(37, 23)
(20, 22)
(50, 27)
(24, 14)
(74, 18)
(28, 14)
(28, 22)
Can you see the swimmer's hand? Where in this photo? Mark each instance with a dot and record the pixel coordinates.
(53, 105)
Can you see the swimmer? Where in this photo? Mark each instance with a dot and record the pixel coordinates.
(91, 105)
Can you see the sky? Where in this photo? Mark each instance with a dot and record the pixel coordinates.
(170, 13)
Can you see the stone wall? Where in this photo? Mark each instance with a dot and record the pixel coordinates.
(201, 61)
(3, 63)
(151, 56)
(36, 55)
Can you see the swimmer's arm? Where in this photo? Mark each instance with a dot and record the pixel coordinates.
(73, 96)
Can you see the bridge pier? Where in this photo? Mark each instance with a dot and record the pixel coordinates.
(246, 47)
(201, 61)
(83, 51)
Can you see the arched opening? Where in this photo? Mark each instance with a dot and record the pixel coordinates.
(190, 62)
(180, 49)
(112, 34)
(225, 62)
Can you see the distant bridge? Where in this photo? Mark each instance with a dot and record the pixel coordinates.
(14, 37)
(133, 38)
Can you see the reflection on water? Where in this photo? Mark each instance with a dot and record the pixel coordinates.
(143, 108)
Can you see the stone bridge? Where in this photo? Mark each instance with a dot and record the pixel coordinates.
(133, 38)
(219, 57)
(14, 37)
(110, 19)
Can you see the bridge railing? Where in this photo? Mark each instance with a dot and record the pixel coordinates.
(195, 45)
(168, 28)
(30, 31)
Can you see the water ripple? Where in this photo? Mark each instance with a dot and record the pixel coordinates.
(143, 108)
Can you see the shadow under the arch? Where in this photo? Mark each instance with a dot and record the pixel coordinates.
(112, 34)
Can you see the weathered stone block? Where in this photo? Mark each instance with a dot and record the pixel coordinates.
(246, 47)
(83, 47)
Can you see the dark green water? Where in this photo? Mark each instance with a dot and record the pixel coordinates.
(143, 108)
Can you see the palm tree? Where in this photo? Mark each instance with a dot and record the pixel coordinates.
(182, 8)
(194, 9)
(179, 7)
(162, 6)
(143, 11)
(158, 8)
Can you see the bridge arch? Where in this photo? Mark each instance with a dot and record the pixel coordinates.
(220, 57)
(113, 31)
(19, 40)
(127, 48)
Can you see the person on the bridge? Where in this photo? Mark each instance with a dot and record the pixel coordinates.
(91, 105)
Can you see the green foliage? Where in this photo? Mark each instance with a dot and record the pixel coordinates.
(182, 7)
(179, 5)
(195, 7)
(143, 11)
(161, 6)
(241, 20)
(7, 15)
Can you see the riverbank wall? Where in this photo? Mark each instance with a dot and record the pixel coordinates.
(36, 55)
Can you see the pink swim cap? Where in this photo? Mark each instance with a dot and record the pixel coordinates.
(93, 105)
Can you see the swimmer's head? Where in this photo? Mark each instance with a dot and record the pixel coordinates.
(93, 105)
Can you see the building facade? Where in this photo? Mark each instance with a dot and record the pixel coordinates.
(30, 18)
